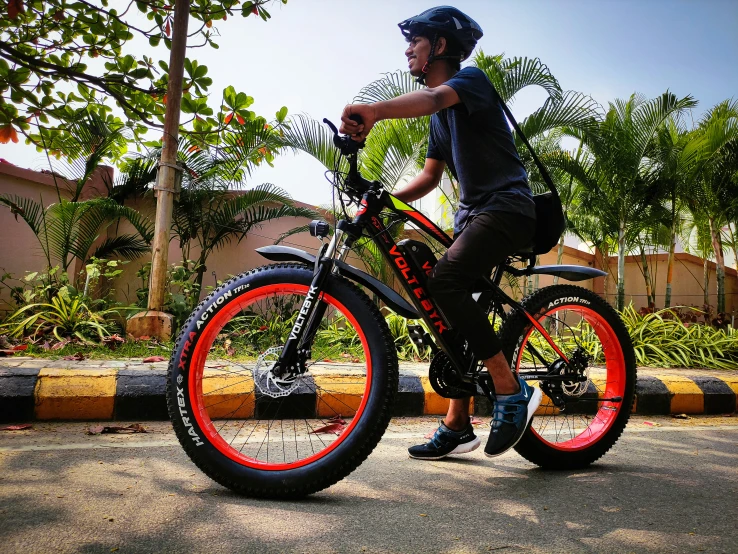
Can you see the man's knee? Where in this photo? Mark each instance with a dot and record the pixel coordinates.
(441, 283)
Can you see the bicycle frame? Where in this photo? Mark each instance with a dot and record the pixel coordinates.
(368, 220)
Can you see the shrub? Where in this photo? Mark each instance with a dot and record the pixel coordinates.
(65, 316)
(662, 339)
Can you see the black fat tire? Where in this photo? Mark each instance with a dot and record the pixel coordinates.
(335, 465)
(531, 447)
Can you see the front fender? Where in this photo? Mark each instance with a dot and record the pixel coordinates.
(278, 253)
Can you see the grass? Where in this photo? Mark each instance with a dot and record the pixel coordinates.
(128, 349)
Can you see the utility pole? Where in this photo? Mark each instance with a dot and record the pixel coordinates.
(154, 322)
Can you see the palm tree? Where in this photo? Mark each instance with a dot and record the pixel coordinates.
(696, 236)
(69, 229)
(214, 207)
(712, 196)
(673, 155)
(613, 173)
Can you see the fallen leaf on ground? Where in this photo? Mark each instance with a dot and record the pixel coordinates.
(476, 421)
(651, 424)
(327, 361)
(423, 515)
(17, 427)
(76, 357)
(102, 429)
(12, 350)
(113, 340)
(336, 428)
(680, 416)
(152, 359)
(61, 344)
(337, 419)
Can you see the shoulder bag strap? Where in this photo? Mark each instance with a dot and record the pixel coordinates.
(536, 159)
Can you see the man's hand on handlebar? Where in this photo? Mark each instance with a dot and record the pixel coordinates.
(358, 130)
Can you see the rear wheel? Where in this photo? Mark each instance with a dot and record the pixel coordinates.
(587, 403)
(263, 436)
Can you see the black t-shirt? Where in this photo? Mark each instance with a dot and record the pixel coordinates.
(474, 139)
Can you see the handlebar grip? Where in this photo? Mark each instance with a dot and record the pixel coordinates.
(356, 118)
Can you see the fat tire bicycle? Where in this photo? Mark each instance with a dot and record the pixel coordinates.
(305, 414)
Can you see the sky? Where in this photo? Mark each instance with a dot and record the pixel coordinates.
(313, 56)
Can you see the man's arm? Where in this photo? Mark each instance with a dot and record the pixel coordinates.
(413, 104)
(425, 182)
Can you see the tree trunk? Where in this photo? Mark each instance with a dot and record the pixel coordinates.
(717, 247)
(621, 267)
(560, 257)
(647, 279)
(706, 283)
(734, 246)
(164, 189)
(199, 275)
(670, 267)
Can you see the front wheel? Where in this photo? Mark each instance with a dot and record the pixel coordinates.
(587, 402)
(260, 435)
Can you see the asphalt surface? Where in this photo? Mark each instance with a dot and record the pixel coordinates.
(668, 487)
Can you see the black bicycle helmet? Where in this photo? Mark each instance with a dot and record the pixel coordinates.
(445, 21)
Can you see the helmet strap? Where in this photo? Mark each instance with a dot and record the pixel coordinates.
(427, 64)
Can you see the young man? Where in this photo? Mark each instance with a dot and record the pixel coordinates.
(496, 215)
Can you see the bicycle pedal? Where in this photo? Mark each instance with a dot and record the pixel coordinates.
(420, 338)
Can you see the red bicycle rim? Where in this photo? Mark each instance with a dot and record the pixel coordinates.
(608, 411)
(197, 368)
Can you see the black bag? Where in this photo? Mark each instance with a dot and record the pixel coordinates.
(550, 221)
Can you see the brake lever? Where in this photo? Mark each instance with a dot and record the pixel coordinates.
(332, 127)
(345, 144)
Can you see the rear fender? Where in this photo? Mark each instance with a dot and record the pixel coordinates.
(568, 272)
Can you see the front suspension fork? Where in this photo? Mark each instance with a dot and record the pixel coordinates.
(311, 312)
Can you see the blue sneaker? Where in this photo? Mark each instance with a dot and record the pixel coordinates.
(445, 442)
(510, 418)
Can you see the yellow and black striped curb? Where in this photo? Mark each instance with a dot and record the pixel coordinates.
(107, 393)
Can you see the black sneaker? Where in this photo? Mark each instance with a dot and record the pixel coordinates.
(446, 442)
(511, 417)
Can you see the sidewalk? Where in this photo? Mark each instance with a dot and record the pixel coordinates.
(42, 389)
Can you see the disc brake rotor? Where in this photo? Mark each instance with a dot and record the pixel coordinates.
(266, 382)
(579, 360)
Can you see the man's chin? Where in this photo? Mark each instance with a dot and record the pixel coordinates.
(415, 72)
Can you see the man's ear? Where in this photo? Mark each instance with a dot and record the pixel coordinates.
(441, 46)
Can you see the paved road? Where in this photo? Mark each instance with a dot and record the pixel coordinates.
(667, 488)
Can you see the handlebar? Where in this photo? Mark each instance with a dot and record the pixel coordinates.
(350, 148)
(344, 143)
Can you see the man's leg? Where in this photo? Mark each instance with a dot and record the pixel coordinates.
(485, 243)
(457, 417)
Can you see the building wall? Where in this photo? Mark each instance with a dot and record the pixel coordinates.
(20, 251)
(687, 282)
